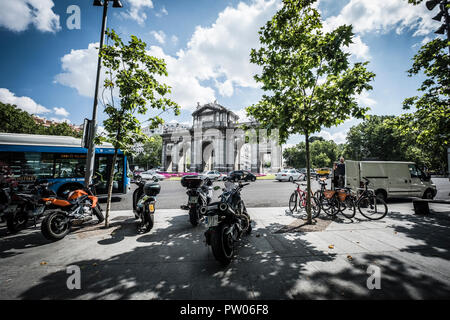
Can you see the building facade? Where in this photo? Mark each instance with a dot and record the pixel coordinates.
(217, 141)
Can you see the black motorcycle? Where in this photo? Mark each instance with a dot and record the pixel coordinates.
(144, 200)
(227, 220)
(23, 204)
(199, 191)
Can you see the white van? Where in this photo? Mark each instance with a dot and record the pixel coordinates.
(390, 179)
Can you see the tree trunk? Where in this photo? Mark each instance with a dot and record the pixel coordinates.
(110, 188)
(308, 180)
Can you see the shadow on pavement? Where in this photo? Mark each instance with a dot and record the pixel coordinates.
(172, 262)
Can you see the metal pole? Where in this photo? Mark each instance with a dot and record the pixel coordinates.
(91, 149)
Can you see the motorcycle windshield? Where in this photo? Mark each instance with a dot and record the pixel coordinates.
(229, 186)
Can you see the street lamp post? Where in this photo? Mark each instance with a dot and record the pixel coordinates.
(93, 123)
(431, 4)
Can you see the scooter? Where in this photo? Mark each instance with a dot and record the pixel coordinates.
(144, 201)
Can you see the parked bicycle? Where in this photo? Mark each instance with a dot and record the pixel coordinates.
(298, 200)
(369, 205)
(337, 201)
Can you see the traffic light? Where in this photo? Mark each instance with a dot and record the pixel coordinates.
(443, 12)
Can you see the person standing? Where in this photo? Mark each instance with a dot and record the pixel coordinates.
(340, 172)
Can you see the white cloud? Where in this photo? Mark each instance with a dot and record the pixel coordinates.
(79, 70)
(17, 15)
(25, 103)
(381, 16)
(61, 112)
(162, 12)
(174, 39)
(225, 88)
(186, 88)
(159, 36)
(384, 16)
(358, 48)
(136, 10)
(338, 137)
(364, 100)
(220, 51)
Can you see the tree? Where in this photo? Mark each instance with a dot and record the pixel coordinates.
(374, 138)
(151, 156)
(295, 156)
(308, 79)
(131, 71)
(429, 124)
(15, 120)
(323, 153)
(60, 129)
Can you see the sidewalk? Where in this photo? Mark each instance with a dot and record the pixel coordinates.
(172, 261)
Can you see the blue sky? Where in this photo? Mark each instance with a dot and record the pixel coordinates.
(50, 70)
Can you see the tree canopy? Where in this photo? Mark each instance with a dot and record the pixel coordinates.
(15, 120)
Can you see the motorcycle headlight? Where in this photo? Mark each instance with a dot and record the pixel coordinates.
(47, 203)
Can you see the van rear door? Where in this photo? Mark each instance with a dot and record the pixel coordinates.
(352, 174)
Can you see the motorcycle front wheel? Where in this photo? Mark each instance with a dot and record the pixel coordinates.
(99, 214)
(222, 244)
(55, 226)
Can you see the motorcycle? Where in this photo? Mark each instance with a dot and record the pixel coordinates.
(61, 214)
(227, 220)
(144, 200)
(199, 191)
(22, 205)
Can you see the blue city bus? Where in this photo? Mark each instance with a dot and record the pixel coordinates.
(61, 160)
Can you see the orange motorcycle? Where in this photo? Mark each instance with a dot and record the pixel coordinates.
(61, 214)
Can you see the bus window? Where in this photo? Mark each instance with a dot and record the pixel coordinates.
(70, 165)
(27, 166)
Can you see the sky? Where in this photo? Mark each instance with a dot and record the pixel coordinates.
(48, 67)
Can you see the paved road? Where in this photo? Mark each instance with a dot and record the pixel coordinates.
(261, 193)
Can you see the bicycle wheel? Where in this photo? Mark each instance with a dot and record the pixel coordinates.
(330, 206)
(348, 207)
(372, 207)
(293, 202)
(301, 201)
(315, 207)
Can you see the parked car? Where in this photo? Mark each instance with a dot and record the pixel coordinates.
(288, 175)
(312, 172)
(323, 172)
(390, 179)
(214, 175)
(239, 175)
(149, 175)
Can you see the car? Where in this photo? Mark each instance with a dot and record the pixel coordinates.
(312, 172)
(323, 172)
(150, 175)
(238, 175)
(214, 175)
(288, 175)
